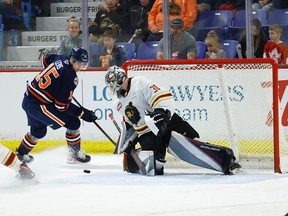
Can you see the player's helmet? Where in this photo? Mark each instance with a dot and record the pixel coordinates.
(114, 78)
(81, 55)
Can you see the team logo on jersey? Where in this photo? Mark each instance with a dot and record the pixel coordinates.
(132, 113)
(76, 80)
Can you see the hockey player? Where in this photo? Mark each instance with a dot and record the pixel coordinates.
(47, 102)
(9, 159)
(149, 112)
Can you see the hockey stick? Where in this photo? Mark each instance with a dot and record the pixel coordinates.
(133, 152)
(95, 123)
(118, 129)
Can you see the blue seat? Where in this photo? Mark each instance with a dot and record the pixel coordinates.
(129, 49)
(201, 49)
(147, 50)
(238, 24)
(280, 17)
(217, 20)
(94, 49)
(230, 47)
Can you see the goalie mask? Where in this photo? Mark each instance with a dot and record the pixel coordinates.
(114, 78)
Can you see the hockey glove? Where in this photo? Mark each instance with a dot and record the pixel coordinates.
(87, 115)
(158, 120)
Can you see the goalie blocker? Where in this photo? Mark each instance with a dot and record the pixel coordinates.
(192, 151)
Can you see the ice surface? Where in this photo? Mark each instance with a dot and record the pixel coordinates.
(65, 190)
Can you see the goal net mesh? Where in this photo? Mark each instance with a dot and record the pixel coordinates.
(228, 103)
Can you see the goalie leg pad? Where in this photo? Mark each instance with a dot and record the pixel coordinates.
(201, 154)
(127, 136)
(152, 166)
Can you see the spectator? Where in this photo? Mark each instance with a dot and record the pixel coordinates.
(276, 49)
(203, 5)
(139, 20)
(259, 41)
(110, 54)
(11, 12)
(232, 5)
(224, 5)
(183, 45)
(73, 39)
(177, 8)
(266, 5)
(111, 17)
(213, 44)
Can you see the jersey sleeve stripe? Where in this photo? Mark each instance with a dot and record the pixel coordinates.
(142, 129)
(61, 106)
(160, 97)
(42, 96)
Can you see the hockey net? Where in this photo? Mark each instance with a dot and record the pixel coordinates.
(234, 103)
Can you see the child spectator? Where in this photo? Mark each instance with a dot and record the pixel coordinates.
(259, 41)
(213, 44)
(276, 49)
(73, 39)
(186, 10)
(266, 5)
(110, 54)
(110, 17)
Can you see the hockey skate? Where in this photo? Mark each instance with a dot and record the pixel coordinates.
(25, 158)
(78, 157)
(25, 173)
(160, 161)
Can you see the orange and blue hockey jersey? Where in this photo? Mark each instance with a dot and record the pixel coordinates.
(55, 84)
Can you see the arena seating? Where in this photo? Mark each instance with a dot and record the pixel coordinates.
(147, 50)
(129, 49)
(217, 20)
(229, 46)
(201, 49)
(239, 22)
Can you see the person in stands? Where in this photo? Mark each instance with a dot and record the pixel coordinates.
(73, 38)
(276, 49)
(214, 47)
(183, 44)
(186, 10)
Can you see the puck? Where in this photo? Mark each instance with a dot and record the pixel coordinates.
(86, 171)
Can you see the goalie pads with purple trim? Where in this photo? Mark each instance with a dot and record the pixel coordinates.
(126, 136)
(201, 154)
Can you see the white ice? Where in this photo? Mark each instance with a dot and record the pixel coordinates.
(65, 190)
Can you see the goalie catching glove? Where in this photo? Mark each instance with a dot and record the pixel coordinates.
(158, 120)
(87, 115)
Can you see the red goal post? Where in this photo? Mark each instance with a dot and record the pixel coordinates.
(230, 102)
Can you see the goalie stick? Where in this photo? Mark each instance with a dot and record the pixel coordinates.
(97, 125)
(133, 152)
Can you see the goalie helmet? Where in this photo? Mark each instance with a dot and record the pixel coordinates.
(80, 55)
(114, 78)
